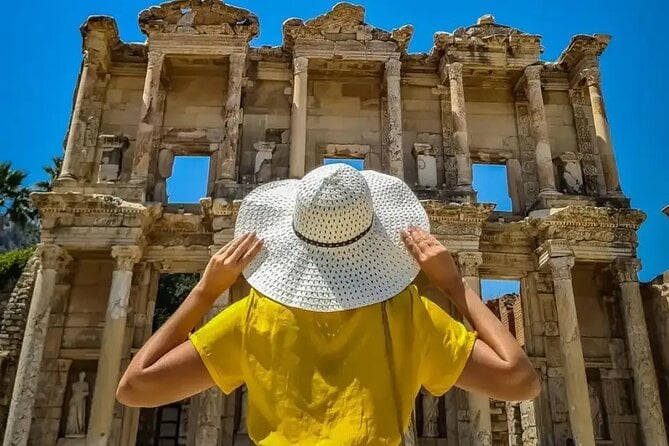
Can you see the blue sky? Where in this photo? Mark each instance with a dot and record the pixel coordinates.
(42, 55)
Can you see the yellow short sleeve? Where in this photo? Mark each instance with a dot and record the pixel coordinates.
(219, 344)
(448, 346)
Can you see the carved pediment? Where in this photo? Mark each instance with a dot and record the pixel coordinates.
(344, 22)
(487, 35)
(582, 47)
(199, 17)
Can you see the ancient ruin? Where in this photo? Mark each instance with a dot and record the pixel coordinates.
(337, 88)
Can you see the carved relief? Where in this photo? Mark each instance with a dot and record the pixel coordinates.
(199, 17)
(344, 22)
(586, 146)
(527, 156)
(469, 263)
(570, 174)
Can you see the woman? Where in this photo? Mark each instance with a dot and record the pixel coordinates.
(333, 343)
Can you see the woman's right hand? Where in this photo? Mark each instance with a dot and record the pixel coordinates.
(227, 264)
(433, 258)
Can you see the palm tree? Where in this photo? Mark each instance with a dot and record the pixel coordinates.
(14, 196)
(52, 171)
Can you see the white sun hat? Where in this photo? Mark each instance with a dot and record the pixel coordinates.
(332, 239)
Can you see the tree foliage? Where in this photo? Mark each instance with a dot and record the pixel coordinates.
(172, 290)
(52, 171)
(12, 264)
(15, 196)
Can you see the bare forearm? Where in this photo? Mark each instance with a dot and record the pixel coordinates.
(489, 328)
(175, 330)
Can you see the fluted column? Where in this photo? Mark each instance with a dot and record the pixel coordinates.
(602, 131)
(52, 258)
(395, 152)
(149, 116)
(229, 152)
(641, 359)
(539, 129)
(298, 118)
(480, 423)
(460, 132)
(111, 346)
(77, 131)
(573, 364)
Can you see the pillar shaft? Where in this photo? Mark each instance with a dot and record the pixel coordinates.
(149, 116)
(298, 119)
(460, 132)
(575, 381)
(395, 152)
(229, 152)
(209, 404)
(539, 129)
(480, 423)
(77, 131)
(111, 347)
(602, 131)
(21, 406)
(641, 359)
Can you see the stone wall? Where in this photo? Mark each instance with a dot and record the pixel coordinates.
(12, 326)
(656, 305)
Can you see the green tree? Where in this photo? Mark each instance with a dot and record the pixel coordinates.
(52, 171)
(172, 290)
(15, 196)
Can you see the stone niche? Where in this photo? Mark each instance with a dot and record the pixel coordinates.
(569, 173)
(113, 148)
(426, 165)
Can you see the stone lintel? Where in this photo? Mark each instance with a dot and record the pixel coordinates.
(552, 249)
(178, 258)
(194, 45)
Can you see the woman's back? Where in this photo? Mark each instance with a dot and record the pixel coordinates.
(328, 378)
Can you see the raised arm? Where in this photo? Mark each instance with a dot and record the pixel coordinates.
(498, 366)
(168, 368)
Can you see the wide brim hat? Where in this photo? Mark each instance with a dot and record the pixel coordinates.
(332, 240)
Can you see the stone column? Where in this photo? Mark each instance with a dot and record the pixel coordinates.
(209, 404)
(602, 131)
(573, 364)
(641, 359)
(298, 118)
(77, 131)
(480, 423)
(53, 258)
(460, 132)
(228, 154)
(149, 117)
(539, 129)
(395, 151)
(111, 346)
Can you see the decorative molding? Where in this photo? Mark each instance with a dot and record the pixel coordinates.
(469, 263)
(457, 219)
(52, 256)
(126, 256)
(199, 17)
(344, 22)
(626, 269)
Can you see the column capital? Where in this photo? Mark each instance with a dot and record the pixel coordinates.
(126, 256)
(592, 76)
(52, 256)
(626, 269)
(300, 64)
(393, 67)
(469, 262)
(155, 58)
(561, 267)
(454, 70)
(533, 72)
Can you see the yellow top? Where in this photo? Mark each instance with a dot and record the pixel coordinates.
(324, 378)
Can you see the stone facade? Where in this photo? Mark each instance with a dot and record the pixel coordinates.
(336, 87)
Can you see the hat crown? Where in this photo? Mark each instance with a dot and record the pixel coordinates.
(333, 205)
